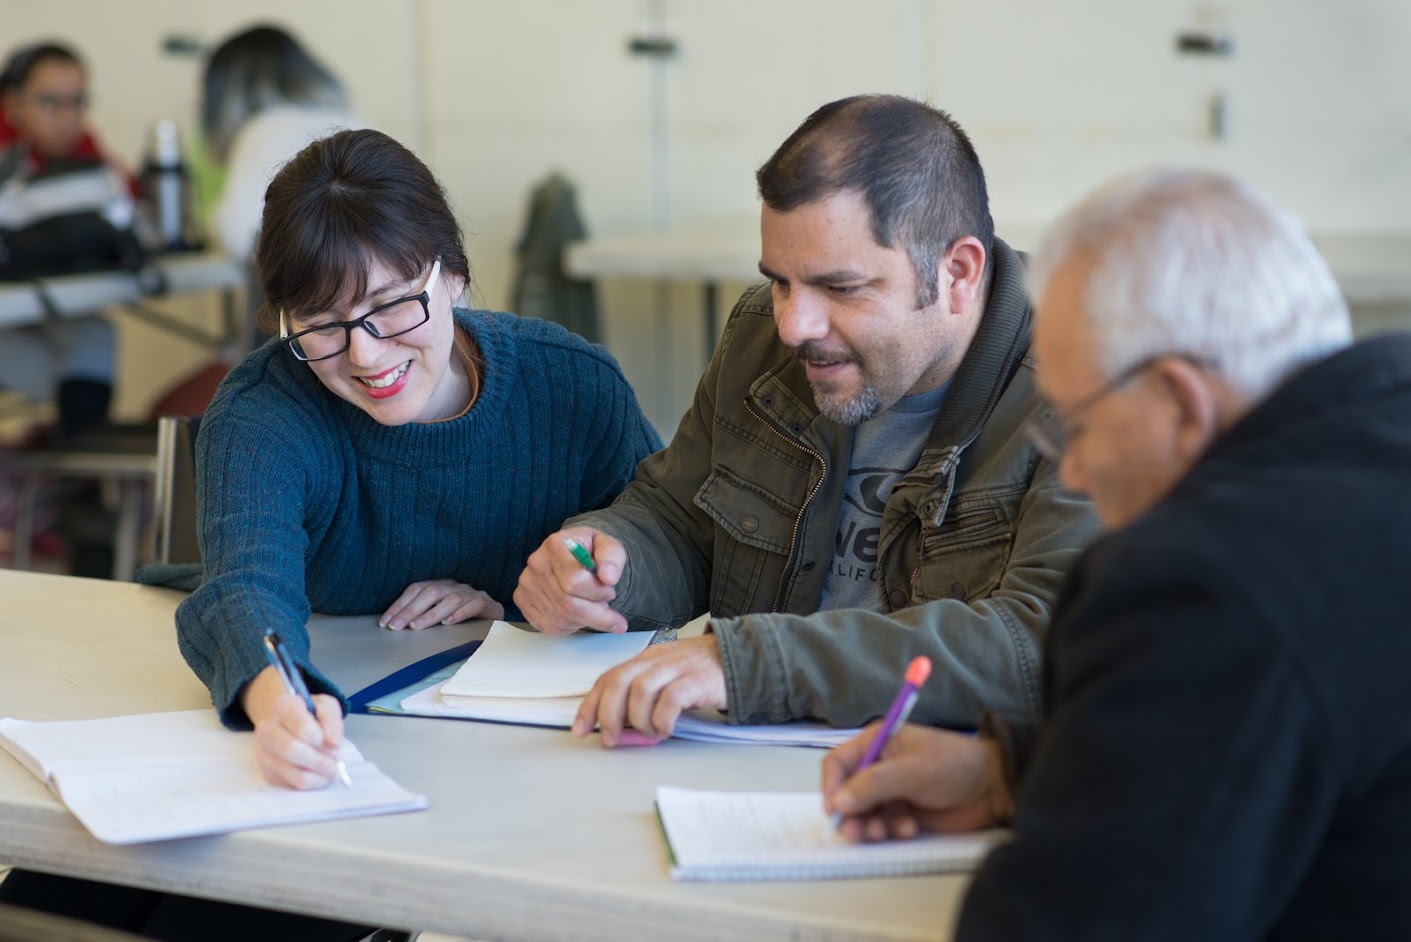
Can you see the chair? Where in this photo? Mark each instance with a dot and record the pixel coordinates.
(176, 489)
(122, 456)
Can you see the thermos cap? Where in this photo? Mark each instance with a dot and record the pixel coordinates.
(165, 146)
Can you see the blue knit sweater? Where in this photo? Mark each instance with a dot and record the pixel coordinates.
(306, 502)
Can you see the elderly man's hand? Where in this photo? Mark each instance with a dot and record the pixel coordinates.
(927, 779)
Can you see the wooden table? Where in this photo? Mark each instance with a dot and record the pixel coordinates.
(531, 834)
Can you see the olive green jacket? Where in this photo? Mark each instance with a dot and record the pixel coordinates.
(738, 517)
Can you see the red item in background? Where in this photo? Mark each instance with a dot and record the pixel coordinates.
(87, 148)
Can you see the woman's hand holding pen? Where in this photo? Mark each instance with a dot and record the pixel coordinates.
(560, 593)
(927, 780)
(291, 748)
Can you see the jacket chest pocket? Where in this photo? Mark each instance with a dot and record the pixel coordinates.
(754, 532)
(965, 557)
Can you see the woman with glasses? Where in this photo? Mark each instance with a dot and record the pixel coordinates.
(68, 207)
(388, 452)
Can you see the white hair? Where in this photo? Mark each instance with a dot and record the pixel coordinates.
(1194, 263)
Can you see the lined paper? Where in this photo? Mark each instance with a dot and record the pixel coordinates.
(512, 662)
(158, 776)
(743, 836)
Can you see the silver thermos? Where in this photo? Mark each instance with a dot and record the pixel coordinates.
(166, 182)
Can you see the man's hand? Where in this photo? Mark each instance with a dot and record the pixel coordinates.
(292, 748)
(649, 692)
(927, 779)
(559, 595)
(438, 602)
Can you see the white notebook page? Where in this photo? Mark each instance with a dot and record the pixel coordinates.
(511, 662)
(165, 775)
(735, 836)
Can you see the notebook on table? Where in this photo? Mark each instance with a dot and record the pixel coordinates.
(158, 776)
(530, 679)
(722, 837)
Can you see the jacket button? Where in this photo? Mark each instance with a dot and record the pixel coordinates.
(897, 599)
(928, 510)
(807, 565)
(768, 401)
(957, 590)
(749, 524)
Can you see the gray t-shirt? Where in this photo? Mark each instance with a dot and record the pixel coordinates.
(884, 449)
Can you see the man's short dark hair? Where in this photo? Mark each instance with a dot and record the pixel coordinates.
(914, 166)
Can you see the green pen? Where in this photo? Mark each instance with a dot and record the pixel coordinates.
(585, 559)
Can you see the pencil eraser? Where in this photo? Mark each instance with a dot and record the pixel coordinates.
(919, 670)
(630, 737)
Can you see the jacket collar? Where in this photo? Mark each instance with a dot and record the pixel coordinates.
(1335, 385)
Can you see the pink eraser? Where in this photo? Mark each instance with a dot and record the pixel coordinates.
(630, 737)
(918, 671)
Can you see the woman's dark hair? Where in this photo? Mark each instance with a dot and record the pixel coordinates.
(259, 68)
(338, 205)
(913, 164)
(23, 61)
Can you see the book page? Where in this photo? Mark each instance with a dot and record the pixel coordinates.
(515, 663)
(165, 775)
(426, 698)
(710, 726)
(119, 740)
(728, 836)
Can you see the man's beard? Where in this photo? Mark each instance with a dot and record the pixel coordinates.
(848, 411)
(845, 411)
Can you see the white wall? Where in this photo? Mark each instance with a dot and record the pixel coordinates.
(1058, 94)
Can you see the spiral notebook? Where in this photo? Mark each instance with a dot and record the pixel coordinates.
(724, 837)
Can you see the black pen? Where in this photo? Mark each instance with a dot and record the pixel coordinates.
(288, 672)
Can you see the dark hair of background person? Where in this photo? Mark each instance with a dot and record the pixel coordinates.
(259, 68)
(23, 61)
(913, 164)
(338, 205)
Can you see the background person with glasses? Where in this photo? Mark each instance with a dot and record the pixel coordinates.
(387, 452)
(51, 166)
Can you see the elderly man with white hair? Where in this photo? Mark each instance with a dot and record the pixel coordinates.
(1225, 747)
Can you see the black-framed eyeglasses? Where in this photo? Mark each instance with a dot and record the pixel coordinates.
(1051, 433)
(386, 320)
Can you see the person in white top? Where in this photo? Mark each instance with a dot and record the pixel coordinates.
(264, 97)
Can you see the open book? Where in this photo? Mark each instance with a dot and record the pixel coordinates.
(531, 679)
(156, 776)
(722, 837)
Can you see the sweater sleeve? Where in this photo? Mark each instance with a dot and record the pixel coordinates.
(252, 486)
(1182, 784)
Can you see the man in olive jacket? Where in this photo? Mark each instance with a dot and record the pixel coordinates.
(852, 486)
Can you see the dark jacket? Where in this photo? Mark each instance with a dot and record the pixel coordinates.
(1226, 749)
(739, 515)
